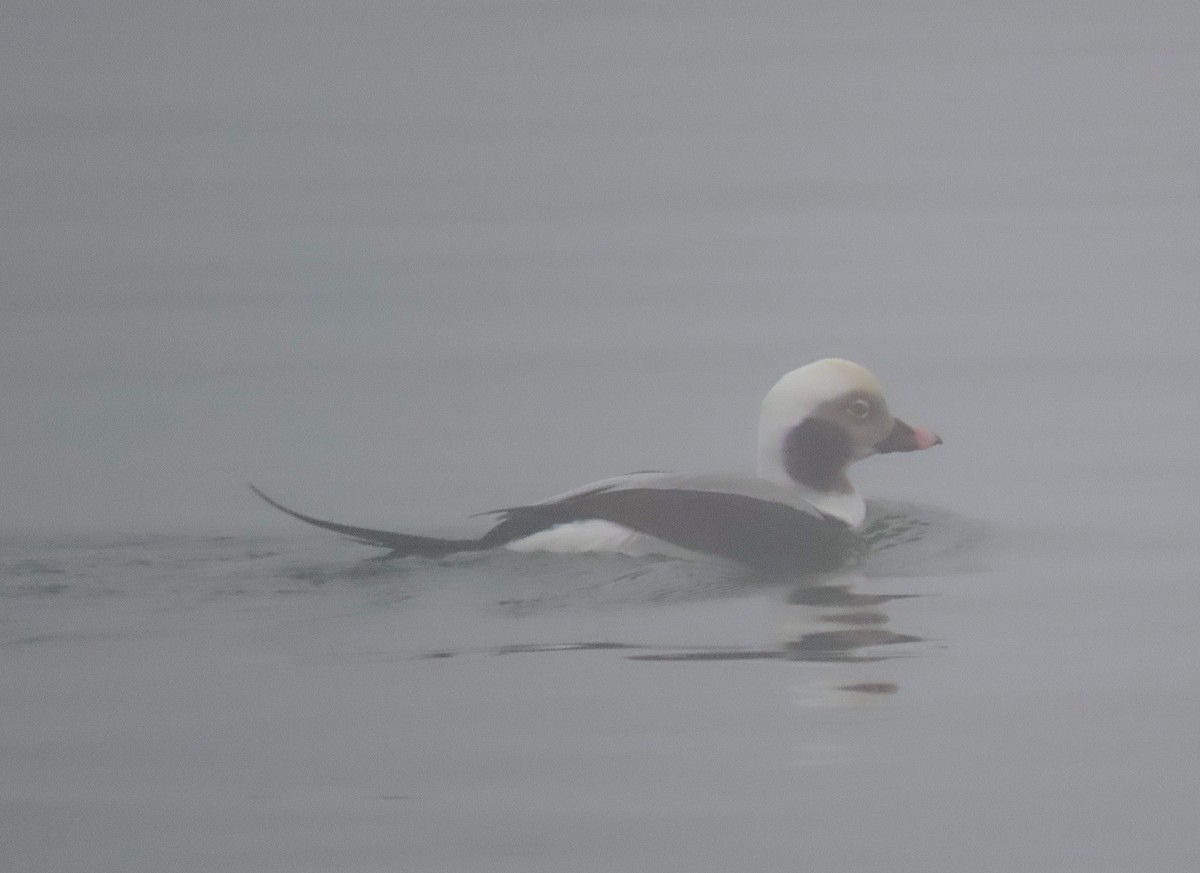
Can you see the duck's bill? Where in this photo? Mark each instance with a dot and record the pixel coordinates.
(907, 438)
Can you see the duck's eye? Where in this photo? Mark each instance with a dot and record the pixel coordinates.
(859, 408)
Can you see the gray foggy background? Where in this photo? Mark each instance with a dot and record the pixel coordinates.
(398, 263)
(404, 261)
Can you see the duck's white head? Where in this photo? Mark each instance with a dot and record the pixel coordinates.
(821, 418)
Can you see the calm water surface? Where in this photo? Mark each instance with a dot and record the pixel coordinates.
(401, 265)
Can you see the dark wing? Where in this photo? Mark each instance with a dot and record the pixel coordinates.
(758, 533)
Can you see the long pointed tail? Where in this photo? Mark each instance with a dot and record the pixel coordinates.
(401, 544)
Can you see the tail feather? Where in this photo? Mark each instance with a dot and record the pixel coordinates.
(401, 544)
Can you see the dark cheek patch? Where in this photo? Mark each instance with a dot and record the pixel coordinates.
(816, 452)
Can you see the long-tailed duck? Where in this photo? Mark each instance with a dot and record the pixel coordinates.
(795, 515)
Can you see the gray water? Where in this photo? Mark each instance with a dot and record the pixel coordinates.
(398, 264)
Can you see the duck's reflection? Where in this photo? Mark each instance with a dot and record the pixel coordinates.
(820, 619)
(828, 620)
(842, 621)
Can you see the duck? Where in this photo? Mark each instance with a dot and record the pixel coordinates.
(799, 512)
